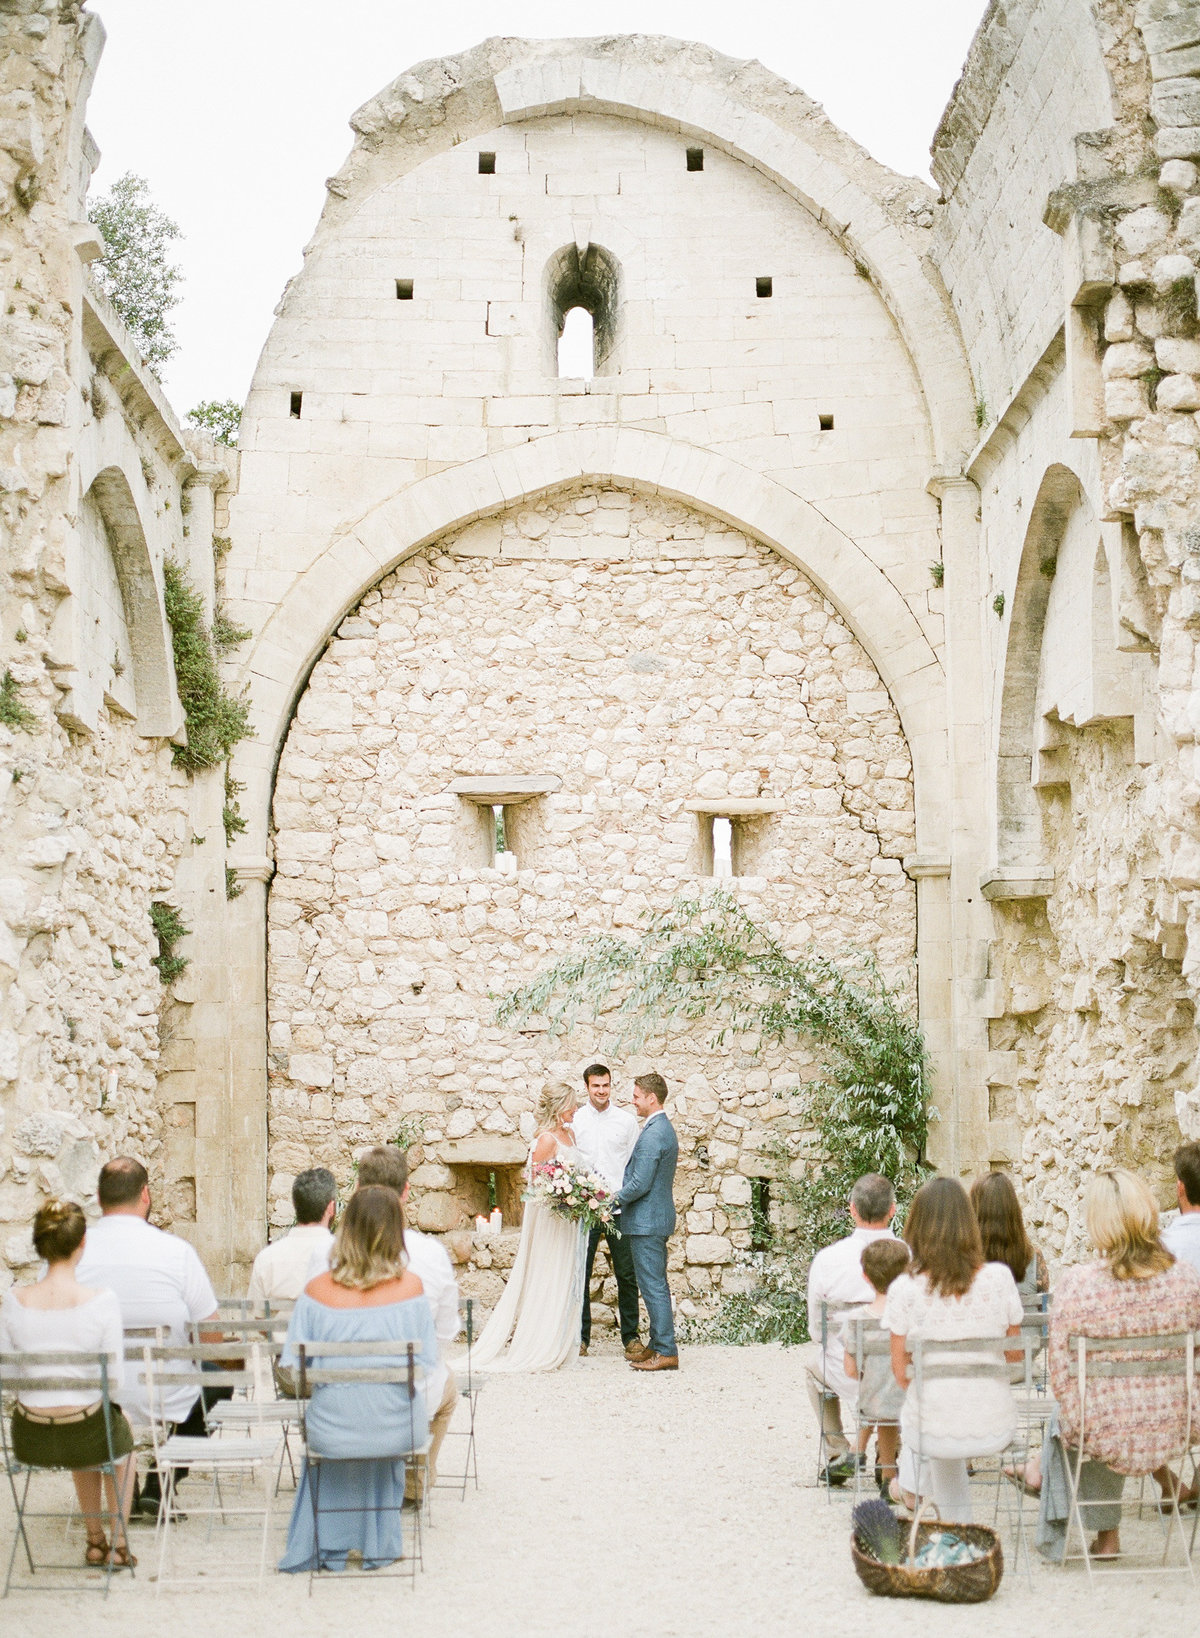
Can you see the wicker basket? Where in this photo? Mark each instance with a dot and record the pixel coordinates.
(949, 1584)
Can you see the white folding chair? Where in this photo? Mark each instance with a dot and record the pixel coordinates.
(167, 1369)
(42, 1372)
(1168, 1354)
(469, 1393)
(397, 1367)
(870, 1343)
(247, 1414)
(830, 1314)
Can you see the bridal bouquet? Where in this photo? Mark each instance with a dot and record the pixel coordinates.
(573, 1193)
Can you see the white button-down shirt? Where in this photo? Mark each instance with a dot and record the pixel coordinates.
(280, 1270)
(606, 1139)
(1182, 1238)
(835, 1276)
(159, 1280)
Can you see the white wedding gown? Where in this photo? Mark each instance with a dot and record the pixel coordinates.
(535, 1326)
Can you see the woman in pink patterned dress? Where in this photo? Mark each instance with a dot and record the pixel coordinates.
(1133, 1424)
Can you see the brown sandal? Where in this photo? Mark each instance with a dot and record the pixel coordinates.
(97, 1552)
(120, 1558)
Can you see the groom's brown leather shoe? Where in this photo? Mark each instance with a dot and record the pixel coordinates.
(656, 1362)
(637, 1350)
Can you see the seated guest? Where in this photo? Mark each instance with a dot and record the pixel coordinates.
(281, 1270)
(365, 1429)
(950, 1294)
(1182, 1237)
(1002, 1234)
(57, 1427)
(159, 1281)
(386, 1166)
(835, 1277)
(880, 1396)
(1134, 1424)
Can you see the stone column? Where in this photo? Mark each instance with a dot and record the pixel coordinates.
(246, 1027)
(959, 1138)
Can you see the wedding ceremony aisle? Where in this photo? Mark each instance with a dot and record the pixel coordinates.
(615, 1504)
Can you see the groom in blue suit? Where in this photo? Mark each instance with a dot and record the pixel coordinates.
(647, 1202)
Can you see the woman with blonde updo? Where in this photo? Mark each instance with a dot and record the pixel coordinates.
(56, 1427)
(535, 1325)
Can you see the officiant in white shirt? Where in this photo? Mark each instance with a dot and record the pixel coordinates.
(606, 1133)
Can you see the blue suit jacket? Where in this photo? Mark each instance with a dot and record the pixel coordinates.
(647, 1190)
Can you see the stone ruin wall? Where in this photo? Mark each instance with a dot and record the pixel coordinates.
(96, 820)
(644, 656)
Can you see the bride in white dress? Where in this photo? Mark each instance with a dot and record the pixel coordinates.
(535, 1325)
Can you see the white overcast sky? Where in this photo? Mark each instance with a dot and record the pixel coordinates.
(236, 111)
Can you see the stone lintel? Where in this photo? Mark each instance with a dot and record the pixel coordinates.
(504, 790)
(1032, 882)
(484, 1150)
(734, 807)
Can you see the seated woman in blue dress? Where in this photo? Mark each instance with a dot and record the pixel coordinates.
(362, 1430)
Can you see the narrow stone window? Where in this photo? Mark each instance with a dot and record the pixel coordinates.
(825, 422)
(498, 819)
(404, 290)
(500, 829)
(736, 839)
(487, 164)
(582, 291)
(695, 159)
(294, 405)
(760, 1214)
(577, 346)
(763, 287)
(718, 845)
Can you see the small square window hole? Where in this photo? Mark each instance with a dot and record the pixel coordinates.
(695, 159)
(294, 405)
(487, 164)
(825, 422)
(763, 287)
(404, 290)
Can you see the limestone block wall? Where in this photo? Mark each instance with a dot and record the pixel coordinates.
(641, 659)
(98, 484)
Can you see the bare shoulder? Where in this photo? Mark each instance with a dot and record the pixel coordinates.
(544, 1147)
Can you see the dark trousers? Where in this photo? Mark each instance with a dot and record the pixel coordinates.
(627, 1286)
(650, 1262)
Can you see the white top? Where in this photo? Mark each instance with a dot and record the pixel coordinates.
(429, 1260)
(159, 1280)
(974, 1416)
(835, 1276)
(1182, 1238)
(92, 1328)
(606, 1139)
(280, 1270)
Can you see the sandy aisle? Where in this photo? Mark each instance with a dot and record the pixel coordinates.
(613, 1503)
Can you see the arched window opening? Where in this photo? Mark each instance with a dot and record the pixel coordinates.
(577, 346)
(582, 290)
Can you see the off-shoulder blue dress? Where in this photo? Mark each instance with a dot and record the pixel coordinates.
(367, 1427)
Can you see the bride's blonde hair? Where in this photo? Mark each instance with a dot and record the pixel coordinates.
(554, 1098)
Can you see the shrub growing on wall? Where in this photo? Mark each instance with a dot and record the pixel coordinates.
(215, 719)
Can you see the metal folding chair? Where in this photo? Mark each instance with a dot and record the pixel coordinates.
(168, 1368)
(869, 1343)
(248, 1414)
(35, 1372)
(936, 1361)
(1170, 1354)
(398, 1368)
(469, 1393)
(830, 1314)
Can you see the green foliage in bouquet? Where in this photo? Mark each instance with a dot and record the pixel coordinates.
(865, 1111)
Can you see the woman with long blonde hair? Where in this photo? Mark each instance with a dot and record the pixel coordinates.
(535, 1326)
(1136, 1288)
(368, 1295)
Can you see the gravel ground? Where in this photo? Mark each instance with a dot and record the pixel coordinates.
(617, 1503)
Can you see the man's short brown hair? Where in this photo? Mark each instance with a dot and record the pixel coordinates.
(385, 1166)
(1187, 1169)
(652, 1082)
(121, 1182)
(883, 1260)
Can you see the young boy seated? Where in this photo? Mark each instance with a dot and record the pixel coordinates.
(879, 1394)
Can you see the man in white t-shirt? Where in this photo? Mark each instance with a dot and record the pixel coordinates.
(387, 1167)
(835, 1278)
(606, 1134)
(280, 1270)
(159, 1281)
(1182, 1237)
